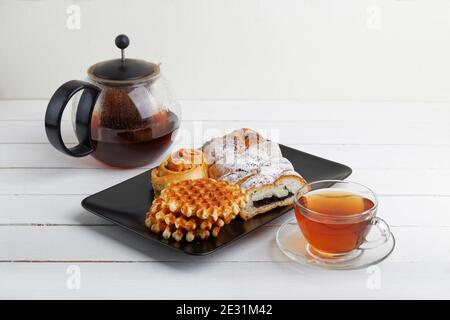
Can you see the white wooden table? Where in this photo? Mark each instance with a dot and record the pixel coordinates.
(51, 248)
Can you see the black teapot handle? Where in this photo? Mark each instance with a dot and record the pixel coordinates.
(56, 108)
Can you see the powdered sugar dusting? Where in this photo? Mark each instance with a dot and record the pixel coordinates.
(262, 163)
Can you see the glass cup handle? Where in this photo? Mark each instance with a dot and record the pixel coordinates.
(385, 234)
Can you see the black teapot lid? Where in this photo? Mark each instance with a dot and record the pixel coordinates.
(123, 69)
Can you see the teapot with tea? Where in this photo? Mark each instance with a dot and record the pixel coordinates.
(124, 116)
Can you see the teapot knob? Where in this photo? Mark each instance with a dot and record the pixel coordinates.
(122, 42)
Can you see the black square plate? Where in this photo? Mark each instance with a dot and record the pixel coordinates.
(126, 204)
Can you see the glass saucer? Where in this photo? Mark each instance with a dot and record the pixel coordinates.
(293, 244)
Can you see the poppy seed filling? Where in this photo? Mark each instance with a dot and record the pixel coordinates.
(272, 199)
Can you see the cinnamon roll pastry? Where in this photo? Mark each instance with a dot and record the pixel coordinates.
(184, 164)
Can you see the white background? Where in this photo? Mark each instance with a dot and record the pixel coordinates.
(238, 49)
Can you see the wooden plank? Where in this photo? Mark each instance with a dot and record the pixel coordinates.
(404, 182)
(61, 181)
(190, 280)
(31, 132)
(23, 109)
(45, 210)
(268, 110)
(355, 156)
(383, 156)
(315, 110)
(194, 133)
(41, 156)
(87, 181)
(45, 156)
(110, 243)
(66, 210)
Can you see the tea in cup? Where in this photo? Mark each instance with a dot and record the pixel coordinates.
(336, 216)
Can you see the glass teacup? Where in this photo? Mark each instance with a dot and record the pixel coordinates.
(335, 218)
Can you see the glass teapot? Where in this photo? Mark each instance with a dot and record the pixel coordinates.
(126, 115)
